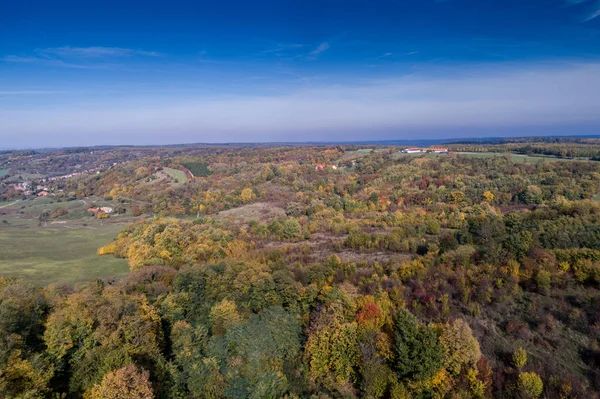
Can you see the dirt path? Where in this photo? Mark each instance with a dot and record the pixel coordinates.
(7, 205)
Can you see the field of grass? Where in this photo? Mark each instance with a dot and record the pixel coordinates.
(44, 255)
(514, 157)
(63, 249)
(177, 176)
(356, 154)
(198, 169)
(3, 172)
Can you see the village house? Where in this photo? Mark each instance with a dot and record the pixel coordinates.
(321, 166)
(104, 209)
(439, 150)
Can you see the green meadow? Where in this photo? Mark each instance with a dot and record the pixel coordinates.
(60, 250)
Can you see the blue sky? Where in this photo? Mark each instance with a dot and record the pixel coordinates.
(83, 73)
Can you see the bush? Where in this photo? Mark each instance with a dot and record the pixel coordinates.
(291, 229)
(530, 385)
(519, 358)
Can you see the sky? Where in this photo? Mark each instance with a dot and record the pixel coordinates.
(79, 73)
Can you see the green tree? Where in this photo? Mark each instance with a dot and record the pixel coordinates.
(291, 229)
(418, 351)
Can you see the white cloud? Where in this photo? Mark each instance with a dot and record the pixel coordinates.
(93, 52)
(594, 14)
(473, 98)
(78, 57)
(318, 50)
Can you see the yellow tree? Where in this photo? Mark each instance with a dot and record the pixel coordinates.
(125, 383)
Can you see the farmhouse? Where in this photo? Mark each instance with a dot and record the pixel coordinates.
(104, 209)
(439, 150)
(413, 150)
(321, 166)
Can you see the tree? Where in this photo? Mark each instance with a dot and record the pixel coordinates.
(125, 383)
(223, 316)
(291, 229)
(519, 358)
(533, 195)
(246, 195)
(459, 347)
(332, 348)
(418, 351)
(488, 196)
(530, 385)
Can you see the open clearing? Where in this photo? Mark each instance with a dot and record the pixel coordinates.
(62, 250)
(55, 253)
(259, 211)
(3, 172)
(177, 176)
(514, 157)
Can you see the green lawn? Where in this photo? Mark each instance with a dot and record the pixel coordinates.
(3, 172)
(43, 255)
(178, 177)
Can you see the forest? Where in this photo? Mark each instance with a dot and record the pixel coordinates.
(325, 272)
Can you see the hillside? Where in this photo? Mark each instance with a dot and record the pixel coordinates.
(307, 271)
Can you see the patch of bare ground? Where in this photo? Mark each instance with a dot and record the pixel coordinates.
(373, 257)
(259, 211)
(321, 246)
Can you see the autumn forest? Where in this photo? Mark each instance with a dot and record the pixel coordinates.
(318, 272)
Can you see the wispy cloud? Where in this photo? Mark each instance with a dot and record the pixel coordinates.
(93, 52)
(389, 55)
(282, 47)
(79, 57)
(27, 92)
(321, 48)
(50, 62)
(592, 12)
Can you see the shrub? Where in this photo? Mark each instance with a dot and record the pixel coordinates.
(519, 358)
(530, 385)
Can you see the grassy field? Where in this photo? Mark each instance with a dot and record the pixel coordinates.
(177, 176)
(47, 254)
(514, 157)
(197, 169)
(63, 249)
(3, 172)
